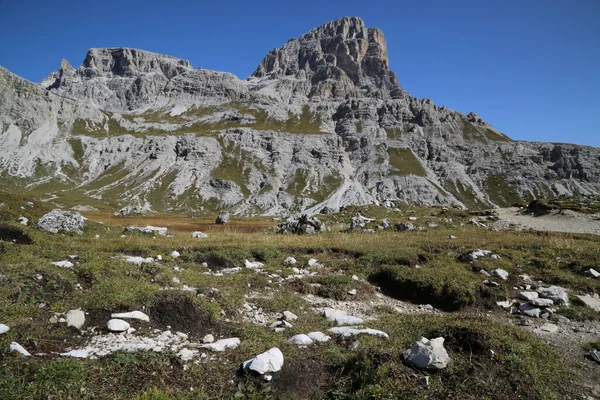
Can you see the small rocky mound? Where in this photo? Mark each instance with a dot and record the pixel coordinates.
(303, 225)
(61, 221)
(9, 233)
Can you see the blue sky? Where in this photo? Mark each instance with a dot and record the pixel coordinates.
(529, 67)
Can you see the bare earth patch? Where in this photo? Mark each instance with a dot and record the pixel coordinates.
(560, 221)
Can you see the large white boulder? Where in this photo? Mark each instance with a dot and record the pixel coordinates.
(61, 221)
(269, 361)
(427, 354)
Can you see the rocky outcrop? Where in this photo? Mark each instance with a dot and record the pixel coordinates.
(321, 124)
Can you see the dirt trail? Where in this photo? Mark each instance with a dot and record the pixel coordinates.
(562, 221)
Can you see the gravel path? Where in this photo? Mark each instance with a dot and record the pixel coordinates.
(563, 221)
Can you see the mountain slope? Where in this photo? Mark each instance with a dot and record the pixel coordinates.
(322, 122)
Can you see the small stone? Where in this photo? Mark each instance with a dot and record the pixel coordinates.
(117, 325)
(546, 328)
(300, 340)
(541, 302)
(268, 378)
(63, 264)
(591, 302)
(593, 273)
(530, 310)
(132, 315)
(354, 278)
(556, 293)
(289, 316)
(175, 280)
(352, 292)
(175, 254)
(76, 318)
(504, 304)
(222, 345)
(451, 237)
(208, 338)
(199, 235)
(290, 261)
(499, 272)
(3, 329)
(484, 273)
(528, 296)
(319, 337)
(16, 347)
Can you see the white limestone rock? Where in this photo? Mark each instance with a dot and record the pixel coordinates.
(290, 261)
(592, 302)
(348, 331)
(528, 296)
(3, 329)
(427, 354)
(199, 235)
(75, 318)
(500, 273)
(300, 339)
(319, 337)
(117, 325)
(132, 315)
(269, 361)
(63, 264)
(61, 221)
(222, 345)
(15, 347)
(253, 264)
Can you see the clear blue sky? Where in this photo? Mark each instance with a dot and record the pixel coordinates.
(531, 67)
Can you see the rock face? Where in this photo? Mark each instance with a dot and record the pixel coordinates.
(61, 221)
(222, 218)
(321, 124)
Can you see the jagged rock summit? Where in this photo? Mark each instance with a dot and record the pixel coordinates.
(322, 123)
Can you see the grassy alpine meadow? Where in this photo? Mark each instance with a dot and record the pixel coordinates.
(385, 276)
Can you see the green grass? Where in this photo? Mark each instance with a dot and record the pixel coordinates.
(404, 162)
(523, 366)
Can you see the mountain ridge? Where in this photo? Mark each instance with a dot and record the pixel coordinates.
(322, 123)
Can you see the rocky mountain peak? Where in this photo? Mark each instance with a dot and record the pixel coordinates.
(342, 59)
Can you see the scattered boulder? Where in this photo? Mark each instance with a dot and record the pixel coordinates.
(427, 354)
(117, 325)
(175, 254)
(63, 264)
(319, 337)
(542, 302)
(61, 221)
(530, 310)
(303, 225)
(405, 226)
(269, 361)
(3, 329)
(132, 315)
(162, 231)
(346, 320)
(476, 254)
(289, 316)
(222, 218)
(9, 233)
(348, 331)
(528, 296)
(222, 345)
(208, 339)
(15, 347)
(300, 339)
(290, 261)
(360, 221)
(137, 260)
(590, 301)
(546, 328)
(199, 235)
(593, 273)
(75, 318)
(555, 293)
(500, 273)
(23, 221)
(253, 264)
